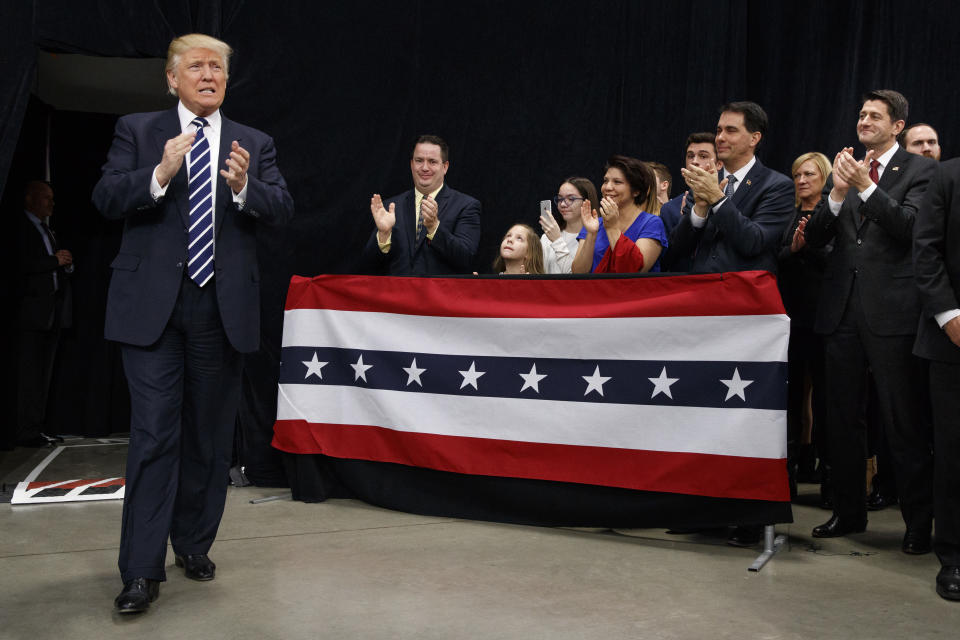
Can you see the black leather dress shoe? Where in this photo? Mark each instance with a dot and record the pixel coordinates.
(137, 595)
(917, 541)
(745, 535)
(36, 442)
(835, 527)
(196, 567)
(948, 583)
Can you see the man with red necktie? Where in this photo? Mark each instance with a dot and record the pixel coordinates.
(869, 310)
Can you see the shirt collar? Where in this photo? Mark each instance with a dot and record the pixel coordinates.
(887, 156)
(432, 195)
(186, 117)
(32, 218)
(742, 172)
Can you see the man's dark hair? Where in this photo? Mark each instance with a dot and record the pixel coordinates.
(754, 117)
(902, 138)
(639, 176)
(897, 105)
(437, 140)
(662, 173)
(702, 137)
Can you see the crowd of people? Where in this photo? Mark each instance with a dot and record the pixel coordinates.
(857, 278)
(868, 267)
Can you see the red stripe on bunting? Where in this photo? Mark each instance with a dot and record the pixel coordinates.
(721, 294)
(669, 472)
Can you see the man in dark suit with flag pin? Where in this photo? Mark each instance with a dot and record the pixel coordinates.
(869, 310)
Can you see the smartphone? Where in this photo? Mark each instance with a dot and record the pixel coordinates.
(546, 209)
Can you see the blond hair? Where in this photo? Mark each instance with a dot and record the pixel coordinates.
(822, 163)
(179, 46)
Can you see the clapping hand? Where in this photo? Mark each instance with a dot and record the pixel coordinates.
(383, 218)
(589, 217)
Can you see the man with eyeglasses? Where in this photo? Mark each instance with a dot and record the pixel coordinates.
(430, 230)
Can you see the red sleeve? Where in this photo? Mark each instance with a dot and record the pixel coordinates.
(624, 258)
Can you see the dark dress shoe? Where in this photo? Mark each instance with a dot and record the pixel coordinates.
(836, 527)
(745, 535)
(196, 567)
(137, 595)
(948, 583)
(36, 442)
(916, 542)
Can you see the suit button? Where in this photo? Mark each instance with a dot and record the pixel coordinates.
(179, 265)
(859, 241)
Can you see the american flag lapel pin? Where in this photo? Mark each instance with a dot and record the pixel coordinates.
(894, 168)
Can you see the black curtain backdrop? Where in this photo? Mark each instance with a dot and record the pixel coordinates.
(526, 93)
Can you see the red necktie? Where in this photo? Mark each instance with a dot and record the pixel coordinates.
(874, 174)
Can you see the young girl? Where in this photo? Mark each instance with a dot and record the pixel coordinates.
(520, 252)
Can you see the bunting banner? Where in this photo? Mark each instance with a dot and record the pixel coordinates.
(664, 384)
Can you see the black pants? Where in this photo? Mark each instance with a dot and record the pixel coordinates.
(184, 392)
(37, 353)
(904, 411)
(945, 399)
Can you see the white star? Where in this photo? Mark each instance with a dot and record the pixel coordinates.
(413, 373)
(595, 382)
(736, 386)
(470, 376)
(662, 384)
(314, 366)
(360, 369)
(532, 380)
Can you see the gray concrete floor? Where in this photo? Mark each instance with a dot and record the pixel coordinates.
(345, 569)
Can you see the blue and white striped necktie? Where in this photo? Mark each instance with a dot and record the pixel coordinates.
(200, 249)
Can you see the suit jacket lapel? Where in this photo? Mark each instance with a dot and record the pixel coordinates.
(744, 190)
(168, 126)
(228, 133)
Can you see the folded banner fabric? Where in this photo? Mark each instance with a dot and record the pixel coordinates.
(664, 384)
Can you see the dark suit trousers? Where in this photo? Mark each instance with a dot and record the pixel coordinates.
(901, 382)
(184, 392)
(945, 398)
(804, 359)
(38, 352)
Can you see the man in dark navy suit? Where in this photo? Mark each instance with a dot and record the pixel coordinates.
(184, 303)
(868, 312)
(701, 151)
(936, 258)
(735, 225)
(430, 230)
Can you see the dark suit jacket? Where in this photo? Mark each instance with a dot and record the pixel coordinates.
(452, 249)
(800, 276)
(936, 256)
(149, 267)
(37, 300)
(744, 234)
(876, 251)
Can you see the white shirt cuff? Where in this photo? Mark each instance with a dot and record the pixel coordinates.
(156, 191)
(867, 192)
(834, 206)
(717, 206)
(697, 221)
(241, 198)
(946, 316)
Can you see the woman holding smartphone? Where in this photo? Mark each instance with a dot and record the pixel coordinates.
(559, 241)
(622, 237)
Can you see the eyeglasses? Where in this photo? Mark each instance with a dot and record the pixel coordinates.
(568, 200)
